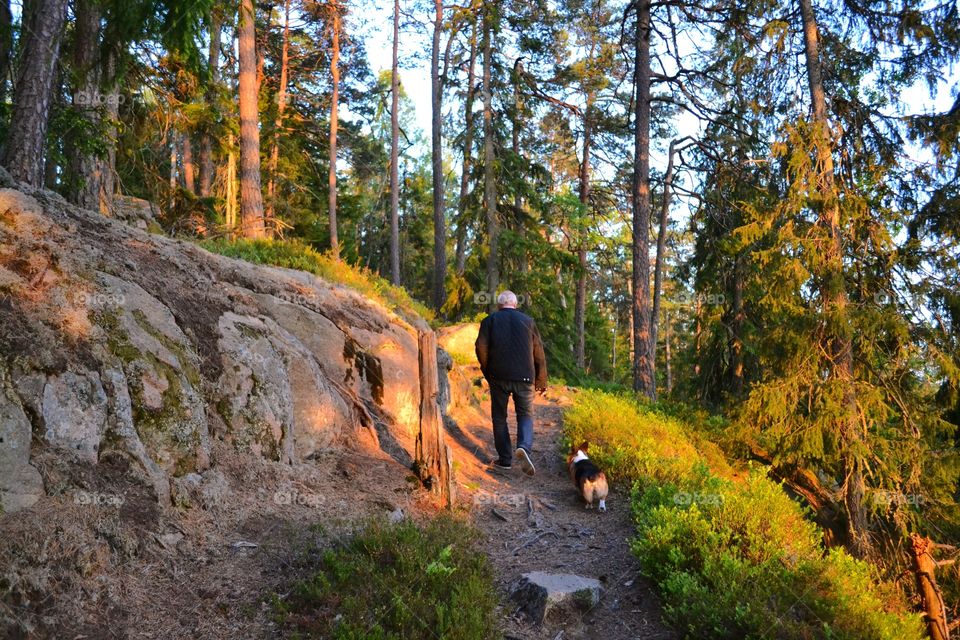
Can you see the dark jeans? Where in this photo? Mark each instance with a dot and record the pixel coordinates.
(522, 392)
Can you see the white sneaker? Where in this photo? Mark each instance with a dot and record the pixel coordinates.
(526, 464)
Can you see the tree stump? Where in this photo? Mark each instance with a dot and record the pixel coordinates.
(924, 568)
(434, 459)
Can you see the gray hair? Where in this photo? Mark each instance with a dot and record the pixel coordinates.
(507, 299)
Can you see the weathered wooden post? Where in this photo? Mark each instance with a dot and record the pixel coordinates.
(434, 459)
(924, 568)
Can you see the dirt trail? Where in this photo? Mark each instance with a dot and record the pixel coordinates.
(539, 524)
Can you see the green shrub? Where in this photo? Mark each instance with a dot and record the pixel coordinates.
(732, 554)
(294, 254)
(396, 581)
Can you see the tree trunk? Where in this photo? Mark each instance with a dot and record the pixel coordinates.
(643, 380)
(661, 251)
(6, 42)
(489, 177)
(173, 162)
(439, 219)
(666, 351)
(580, 305)
(206, 141)
(736, 331)
(251, 198)
(335, 97)
(434, 460)
(395, 151)
(231, 195)
(31, 103)
(188, 169)
(834, 296)
(468, 127)
(278, 122)
(924, 569)
(82, 187)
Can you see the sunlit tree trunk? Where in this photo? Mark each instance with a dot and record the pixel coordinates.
(334, 99)
(188, 167)
(231, 195)
(439, 220)
(489, 176)
(468, 128)
(395, 151)
(643, 380)
(251, 197)
(24, 153)
(206, 142)
(580, 305)
(278, 122)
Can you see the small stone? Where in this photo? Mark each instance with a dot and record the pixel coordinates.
(545, 596)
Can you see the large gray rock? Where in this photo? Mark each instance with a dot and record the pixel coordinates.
(20, 483)
(553, 596)
(75, 413)
(131, 342)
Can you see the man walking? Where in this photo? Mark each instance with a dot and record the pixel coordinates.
(511, 358)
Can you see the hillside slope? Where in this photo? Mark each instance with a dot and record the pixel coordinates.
(159, 404)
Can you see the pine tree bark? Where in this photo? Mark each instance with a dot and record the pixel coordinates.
(278, 121)
(468, 130)
(580, 304)
(6, 42)
(833, 294)
(251, 197)
(661, 250)
(643, 378)
(395, 150)
(489, 175)
(439, 219)
(334, 8)
(81, 184)
(189, 183)
(24, 153)
(206, 141)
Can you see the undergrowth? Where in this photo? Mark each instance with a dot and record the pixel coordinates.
(732, 554)
(294, 254)
(396, 581)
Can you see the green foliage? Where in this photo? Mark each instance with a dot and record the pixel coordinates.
(394, 582)
(294, 254)
(733, 556)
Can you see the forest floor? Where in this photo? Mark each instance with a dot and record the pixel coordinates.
(539, 523)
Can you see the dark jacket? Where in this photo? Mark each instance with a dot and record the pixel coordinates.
(509, 348)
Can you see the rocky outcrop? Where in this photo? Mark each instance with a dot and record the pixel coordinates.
(117, 341)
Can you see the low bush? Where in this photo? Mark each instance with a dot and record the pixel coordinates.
(732, 554)
(294, 254)
(392, 582)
